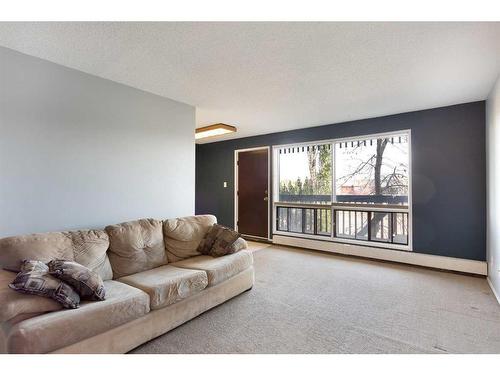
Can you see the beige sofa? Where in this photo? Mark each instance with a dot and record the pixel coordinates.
(154, 279)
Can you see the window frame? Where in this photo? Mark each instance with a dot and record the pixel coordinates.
(349, 206)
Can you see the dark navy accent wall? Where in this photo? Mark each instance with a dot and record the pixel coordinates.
(448, 173)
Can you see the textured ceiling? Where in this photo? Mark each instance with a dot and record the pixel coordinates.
(268, 77)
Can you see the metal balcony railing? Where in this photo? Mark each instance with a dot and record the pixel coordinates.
(306, 220)
(382, 223)
(377, 226)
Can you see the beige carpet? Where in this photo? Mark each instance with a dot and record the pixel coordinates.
(311, 302)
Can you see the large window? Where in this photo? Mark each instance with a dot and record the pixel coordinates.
(348, 189)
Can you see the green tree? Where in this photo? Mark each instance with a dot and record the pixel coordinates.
(307, 187)
(320, 169)
(298, 187)
(283, 188)
(325, 171)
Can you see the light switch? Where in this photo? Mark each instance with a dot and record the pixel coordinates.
(225, 184)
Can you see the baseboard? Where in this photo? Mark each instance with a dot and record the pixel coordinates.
(256, 239)
(408, 257)
(497, 296)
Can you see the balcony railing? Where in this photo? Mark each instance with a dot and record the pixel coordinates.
(377, 226)
(312, 221)
(376, 223)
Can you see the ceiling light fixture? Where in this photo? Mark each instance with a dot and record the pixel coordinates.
(214, 130)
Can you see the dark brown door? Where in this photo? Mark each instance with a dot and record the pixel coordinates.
(253, 194)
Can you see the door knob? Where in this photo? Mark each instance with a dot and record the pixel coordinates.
(266, 198)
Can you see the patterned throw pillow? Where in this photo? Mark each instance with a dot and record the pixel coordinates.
(34, 278)
(223, 244)
(88, 284)
(208, 241)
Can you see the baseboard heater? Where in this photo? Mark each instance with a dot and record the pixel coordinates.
(408, 257)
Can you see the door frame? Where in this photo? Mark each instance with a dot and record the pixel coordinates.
(269, 193)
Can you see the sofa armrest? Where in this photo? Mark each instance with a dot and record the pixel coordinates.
(244, 243)
(15, 304)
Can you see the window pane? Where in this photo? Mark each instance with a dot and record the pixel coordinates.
(295, 220)
(373, 170)
(381, 226)
(324, 221)
(305, 174)
(309, 221)
(282, 218)
(345, 223)
(362, 225)
(400, 228)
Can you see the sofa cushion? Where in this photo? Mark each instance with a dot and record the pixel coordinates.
(90, 250)
(167, 285)
(87, 283)
(136, 246)
(183, 235)
(221, 268)
(54, 330)
(14, 305)
(87, 247)
(34, 278)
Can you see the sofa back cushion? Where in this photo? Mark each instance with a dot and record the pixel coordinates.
(136, 246)
(87, 247)
(183, 235)
(90, 250)
(39, 246)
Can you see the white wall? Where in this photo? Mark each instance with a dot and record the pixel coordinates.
(78, 151)
(493, 187)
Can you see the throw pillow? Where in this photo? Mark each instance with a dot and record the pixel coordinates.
(34, 278)
(88, 284)
(209, 239)
(224, 242)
